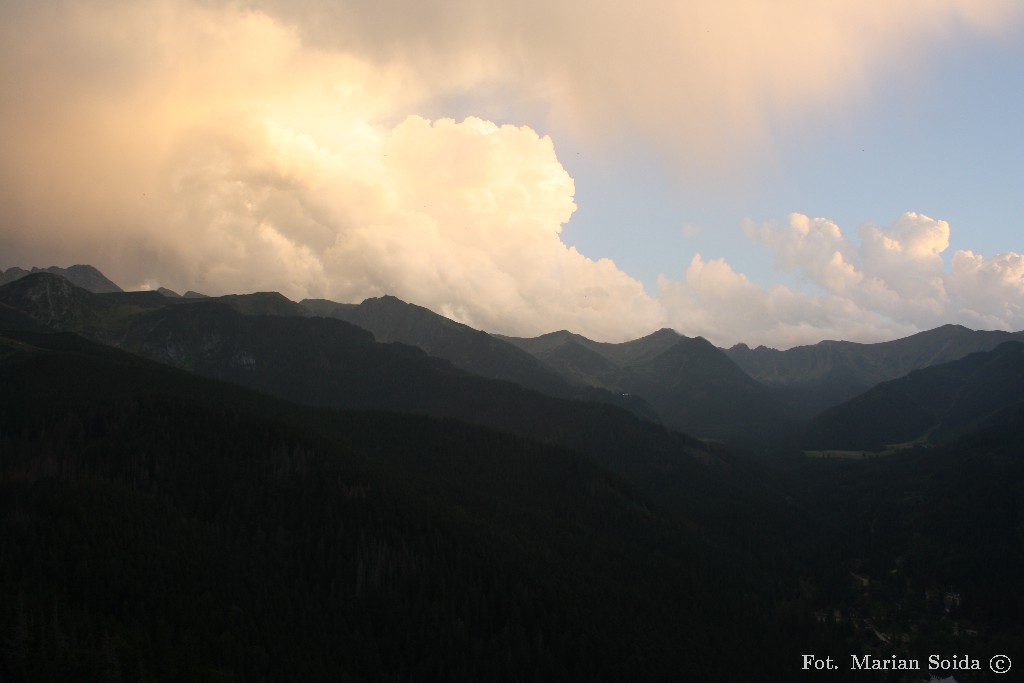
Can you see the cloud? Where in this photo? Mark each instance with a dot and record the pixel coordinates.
(206, 147)
(891, 282)
(472, 230)
(704, 80)
(897, 271)
(988, 292)
(725, 307)
(231, 146)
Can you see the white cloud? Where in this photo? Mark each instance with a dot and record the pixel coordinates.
(892, 283)
(816, 247)
(725, 307)
(988, 292)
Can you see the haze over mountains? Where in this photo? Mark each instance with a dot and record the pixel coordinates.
(479, 507)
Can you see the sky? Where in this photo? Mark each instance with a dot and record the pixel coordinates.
(771, 172)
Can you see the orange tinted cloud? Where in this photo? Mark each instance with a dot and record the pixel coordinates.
(228, 146)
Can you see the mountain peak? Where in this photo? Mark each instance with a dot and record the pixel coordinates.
(85, 276)
(665, 333)
(386, 302)
(33, 285)
(49, 298)
(264, 303)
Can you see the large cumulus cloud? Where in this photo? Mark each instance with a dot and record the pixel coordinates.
(209, 147)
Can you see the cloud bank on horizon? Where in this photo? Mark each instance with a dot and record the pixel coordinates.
(229, 146)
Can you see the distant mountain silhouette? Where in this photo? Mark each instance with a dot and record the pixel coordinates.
(933, 405)
(817, 376)
(262, 303)
(746, 396)
(86, 277)
(393, 320)
(693, 386)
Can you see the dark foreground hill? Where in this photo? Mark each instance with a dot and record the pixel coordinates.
(928, 547)
(155, 525)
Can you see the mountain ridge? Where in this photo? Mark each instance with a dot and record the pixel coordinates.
(85, 276)
(693, 385)
(825, 374)
(335, 364)
(751, 396)
(930, 405)
(281, 495)
(392, 320)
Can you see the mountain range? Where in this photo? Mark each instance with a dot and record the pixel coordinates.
(393, 320)
(756, 398)
(374, 492)
(691, 384)
(932, 405)
(253, 341)
(830, 372)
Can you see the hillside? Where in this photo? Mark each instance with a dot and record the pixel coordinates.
(932, 405)
(815, 377)
(693, 386)
(165, 526)
(283, 495)
(330, 363)
(393, 320)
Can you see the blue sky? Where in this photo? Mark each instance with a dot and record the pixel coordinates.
(771, 172)
(944, 139)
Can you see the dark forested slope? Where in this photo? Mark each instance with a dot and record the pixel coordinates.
(160, 526)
